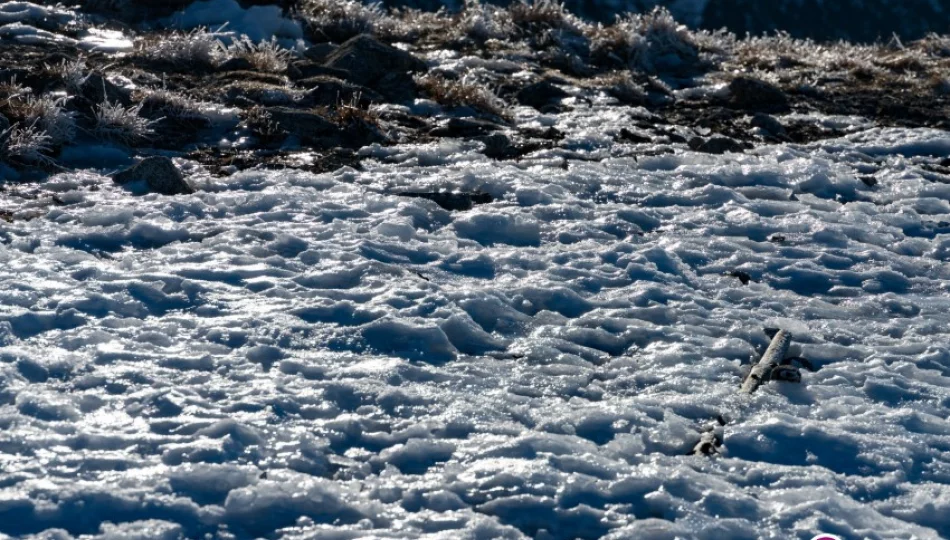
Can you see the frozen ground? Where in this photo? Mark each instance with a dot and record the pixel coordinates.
(304, 356)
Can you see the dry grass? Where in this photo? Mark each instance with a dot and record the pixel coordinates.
(197, 49)
(798, 61)
(339, 20)
(350, 114)
(410, 25)
(648, 42)
(533, 15)
(125, 125)
(461, 93)
(267, 56)
(25, 145)
(12, 89)
(73, 73)
(621, 85)
(167, 104)
(934, 45)
(481, 22)
(260, 123)
(49, 115)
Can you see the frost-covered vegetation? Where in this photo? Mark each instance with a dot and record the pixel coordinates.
(114, 122)
(267, 56)
(339, 20)
(461, 93)
(26, 145)
(196, 49)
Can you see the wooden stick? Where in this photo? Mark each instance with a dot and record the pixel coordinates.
(773, 356)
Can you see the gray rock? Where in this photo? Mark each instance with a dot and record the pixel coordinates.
(541, 93)
(465, 127)
(452, 201)
(236, 64)
(159, 174)
(758, 95)
(770, 125)
(304, 69)
(320, 51)
(366, 60)
(397, 87)
(252, 92)
(330, 91)
(501, 146)
(309, 126)
(498, 146)
(97, 89)
(717, 144)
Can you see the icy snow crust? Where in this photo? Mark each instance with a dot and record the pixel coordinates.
(305, 356)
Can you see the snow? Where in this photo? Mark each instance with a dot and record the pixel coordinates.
(28, 23)
(24, 33)
(257, 22)
(106, 41)
(301, 356)
(19, 12)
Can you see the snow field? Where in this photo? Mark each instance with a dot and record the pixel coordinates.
(300, 356)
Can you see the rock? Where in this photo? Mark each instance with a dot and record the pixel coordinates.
(710, 440)
(237, 64)
(548, 134)
(743, 277)
(758, 95)
(309, 126)
(159, 174)
(249, 93)
(799, 363)
(869, 181)
(717, 144)
(452, 201)
(499, 146)
(465, 127)
(628, 94)
(241, 76)
(304, 69)
(366, 60)
(397, 87)
(631, 137)
(96, 89)
(328, 91)
(540, 94)
(770, 125)
(786, 374)
(320, 51)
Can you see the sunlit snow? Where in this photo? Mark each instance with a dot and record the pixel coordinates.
(284, 344)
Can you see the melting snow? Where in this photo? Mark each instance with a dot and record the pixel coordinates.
(309, 355)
